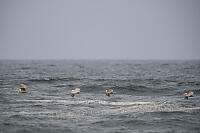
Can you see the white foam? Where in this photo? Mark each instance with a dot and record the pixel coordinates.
(95, 112)
(149, 108)
(89, 102)
(114, 108)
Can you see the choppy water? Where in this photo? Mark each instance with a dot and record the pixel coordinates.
(147, 96)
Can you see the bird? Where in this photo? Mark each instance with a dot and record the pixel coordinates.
(22, 89)
(189, 94)
(75, 91)
(108, 92)
(46, 79)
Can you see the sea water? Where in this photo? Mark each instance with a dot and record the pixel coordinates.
(147, 96)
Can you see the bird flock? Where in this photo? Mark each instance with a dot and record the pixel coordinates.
(71, 92)
(107, 92)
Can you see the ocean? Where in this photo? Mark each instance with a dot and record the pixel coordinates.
(147, 96)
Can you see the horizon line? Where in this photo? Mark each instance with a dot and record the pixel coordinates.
(176, 59)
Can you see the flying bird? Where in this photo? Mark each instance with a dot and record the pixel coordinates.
(189, 94)
(75, 91)
(22, 89)
(46, 79)
(108, 92)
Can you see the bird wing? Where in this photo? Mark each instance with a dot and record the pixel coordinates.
(72, 92)
(77, 90)
(23, 86)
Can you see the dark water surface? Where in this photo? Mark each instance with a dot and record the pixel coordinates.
(147, 96)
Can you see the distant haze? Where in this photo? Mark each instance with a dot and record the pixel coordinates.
(99, 29)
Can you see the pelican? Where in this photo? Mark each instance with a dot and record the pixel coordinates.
(46, 79)
(108, 92)
(75, 91)
(22, 89)
(189, 94)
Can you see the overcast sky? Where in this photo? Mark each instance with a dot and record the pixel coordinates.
(99, 29)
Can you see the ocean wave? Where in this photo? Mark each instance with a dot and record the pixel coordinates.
(25, 68)
(133, 88)
(149, 108)
(103, 102)
(53, 79)
(41, 113)
(82, 111)
(125, 107)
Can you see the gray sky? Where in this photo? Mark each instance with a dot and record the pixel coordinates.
(99, 29)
